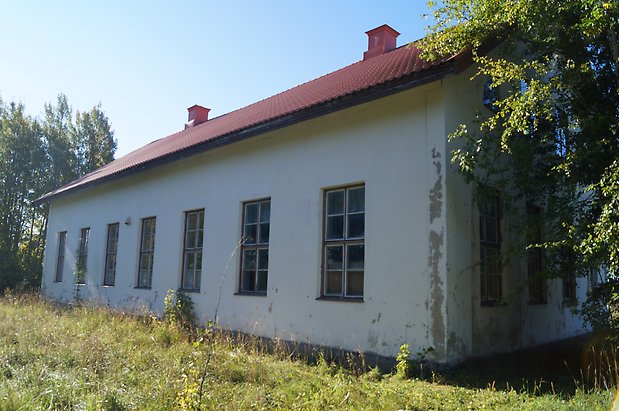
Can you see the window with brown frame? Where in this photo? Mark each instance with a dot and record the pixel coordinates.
(255, 247)
(535, 256)
(490, 251)
(111, 249)
(192, 250)
(82, 256)
(344, 242)
(147, 252)
(62, 241)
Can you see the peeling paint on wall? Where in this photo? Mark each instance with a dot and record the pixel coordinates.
(436, 193)
(437, 295)
(435, 255)
(377, 319)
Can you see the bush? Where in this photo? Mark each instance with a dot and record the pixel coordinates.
(178, 310)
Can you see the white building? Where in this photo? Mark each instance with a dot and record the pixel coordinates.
(327, 214)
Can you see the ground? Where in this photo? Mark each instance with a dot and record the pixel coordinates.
(55, 357)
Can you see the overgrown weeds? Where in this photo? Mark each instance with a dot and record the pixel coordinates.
(178, 310)
(54, 357)
(600, 366)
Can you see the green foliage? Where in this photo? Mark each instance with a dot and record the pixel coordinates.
(54, 357)
(92, 140)
(555, 142)
(37, 156)
(188, 397)
(178, 310)
(402, 366)
(601, 310)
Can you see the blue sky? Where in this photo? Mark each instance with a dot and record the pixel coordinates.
(147, 61)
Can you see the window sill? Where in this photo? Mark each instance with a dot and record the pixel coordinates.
(141, 287)
(108, 285)
(341, 299)
(190, 290)
(538, 302)
(251, 293)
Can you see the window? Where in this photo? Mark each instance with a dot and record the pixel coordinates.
(594, 279)
(343, 242)
(255, 246)
(489, 250)
(82, 257)
(490, 96)
(111, 249)
(569, 287)
(566, 266)
(535, 256)
(62, 240)
(192, 250)
(147, 253)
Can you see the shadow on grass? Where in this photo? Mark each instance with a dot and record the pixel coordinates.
(551, 368)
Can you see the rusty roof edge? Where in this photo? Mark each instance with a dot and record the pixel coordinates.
(453, 66)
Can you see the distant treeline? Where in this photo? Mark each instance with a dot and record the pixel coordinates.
(37, 155)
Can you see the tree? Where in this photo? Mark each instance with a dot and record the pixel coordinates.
(553, 136)
(37, 156)
(93, 140)
(22, 172)
(57, 127)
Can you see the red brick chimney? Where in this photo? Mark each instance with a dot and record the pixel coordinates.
(380, 40)
(197, 115)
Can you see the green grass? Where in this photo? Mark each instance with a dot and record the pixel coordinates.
(80, 358)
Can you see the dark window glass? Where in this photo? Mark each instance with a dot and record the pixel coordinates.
(111, 250)
(62, 241)
(192, 250)
(489, 251)
(82, 258)
(255, 247)
(343, 242)
(147, 252)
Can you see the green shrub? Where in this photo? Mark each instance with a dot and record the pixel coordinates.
(178, 310)
(402, 366)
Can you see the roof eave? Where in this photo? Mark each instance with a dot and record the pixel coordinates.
(363, 96)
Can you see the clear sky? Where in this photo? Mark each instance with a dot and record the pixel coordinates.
(147, 61)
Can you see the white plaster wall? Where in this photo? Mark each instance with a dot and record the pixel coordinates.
(475, 330)
(421, 277)
(393, 145)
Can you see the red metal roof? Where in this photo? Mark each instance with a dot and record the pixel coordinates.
(362, 75)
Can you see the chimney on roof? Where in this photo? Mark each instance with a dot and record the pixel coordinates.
(380, 40)
(197, 115)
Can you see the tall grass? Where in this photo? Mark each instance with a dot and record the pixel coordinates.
(600, 365)
(87, 358)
